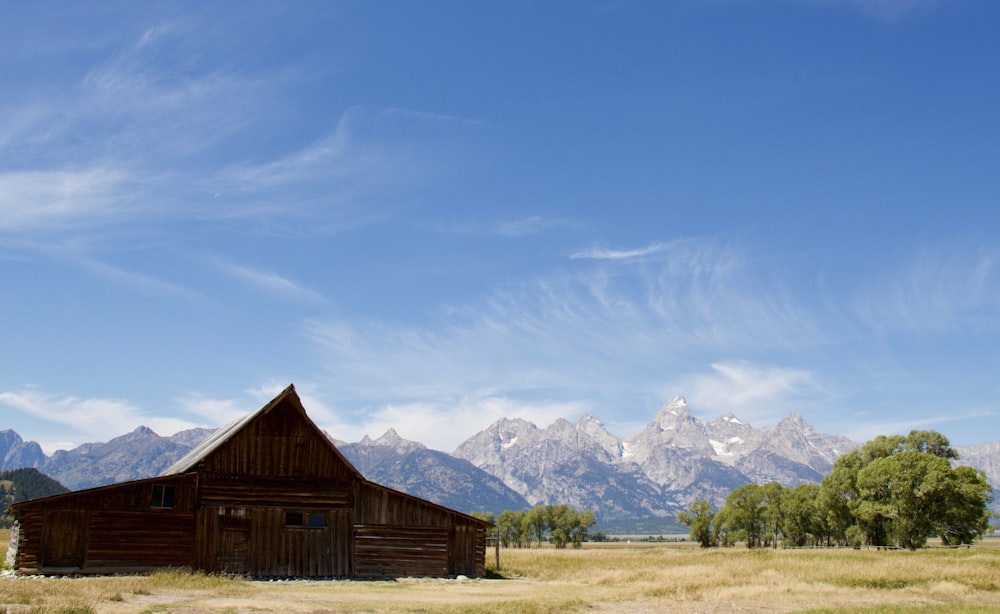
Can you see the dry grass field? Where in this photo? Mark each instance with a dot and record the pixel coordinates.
(598, 578)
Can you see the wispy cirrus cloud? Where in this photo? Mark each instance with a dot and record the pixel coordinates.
(757, 393)
(272, 284)
(611, 333)
(942, 288)
(92, 418)
(344, 179)
(530, 226)
(444, 424)
(33, 200)
(600, 253)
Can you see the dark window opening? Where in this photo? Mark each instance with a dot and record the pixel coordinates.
(308, 520)
(163, 496)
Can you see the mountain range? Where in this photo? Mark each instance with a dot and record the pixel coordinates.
(637, 483)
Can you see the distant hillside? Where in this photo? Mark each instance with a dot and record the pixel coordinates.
(410, 467)
(633, 484)
(23, 484)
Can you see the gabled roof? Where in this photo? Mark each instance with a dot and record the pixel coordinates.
(203, 450)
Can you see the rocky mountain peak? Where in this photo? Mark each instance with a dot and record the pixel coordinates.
(796, 423)
(673, 415)
(16, 453)
(391, 439)
(594, 429)
(730, 418)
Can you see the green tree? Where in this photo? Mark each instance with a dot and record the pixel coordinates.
(898, 496)
(510, 526)
(566, 525)
(802, 522)
(772, 513)
(580, 530)
(699, 517)
(901, 490)
(836, 491)
(534, 524)
(965, 517)
(744, 511)
(930, 442)
(489, 517)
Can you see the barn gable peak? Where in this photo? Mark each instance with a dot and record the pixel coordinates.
(287, 397)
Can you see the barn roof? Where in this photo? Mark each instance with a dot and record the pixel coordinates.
(203, 450)
(189, 463)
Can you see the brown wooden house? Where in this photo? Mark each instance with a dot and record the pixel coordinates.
(267, 496)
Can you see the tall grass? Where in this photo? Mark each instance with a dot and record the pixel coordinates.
(601, 578)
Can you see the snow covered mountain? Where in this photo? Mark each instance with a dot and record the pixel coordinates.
(673, 460)
(645, 477)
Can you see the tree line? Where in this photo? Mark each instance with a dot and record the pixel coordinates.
(893, 491)
(22, 484)
(561, 525)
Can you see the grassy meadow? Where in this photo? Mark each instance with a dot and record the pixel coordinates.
(638, 577)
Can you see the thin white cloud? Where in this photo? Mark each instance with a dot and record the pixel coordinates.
(342, 180)
(940, 289)
(529, 226)
(33, 200)
(270, 283)
(95, 419)
(596, 253)
(445, 425)
(607, 334)
(212, 413)
(138, 282)
(756, 393)
(865, 429)
(430, 116)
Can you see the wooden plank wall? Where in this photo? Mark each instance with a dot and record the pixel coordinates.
(242, 490)
(467, 551)
(393, 551)
(254, 540)
(107, 529)
(279, 444)
(139, 540)
(390, 525)
(230, 516)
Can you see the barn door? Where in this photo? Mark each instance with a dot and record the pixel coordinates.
(462, 542)
(64, 539)
(232, 541)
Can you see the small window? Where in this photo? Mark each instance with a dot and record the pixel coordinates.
(163, 496)
(299, 520)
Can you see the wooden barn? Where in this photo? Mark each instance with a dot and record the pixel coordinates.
(267, 496)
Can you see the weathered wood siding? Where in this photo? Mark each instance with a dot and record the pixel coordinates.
(400, 535)
(394, 551)
(272, 497)
(108, 529)
(467, 551)
(279, 444)
(256, 541)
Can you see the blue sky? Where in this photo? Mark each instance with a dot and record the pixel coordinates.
(429, 215)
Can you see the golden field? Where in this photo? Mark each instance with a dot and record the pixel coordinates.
(620, 577)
